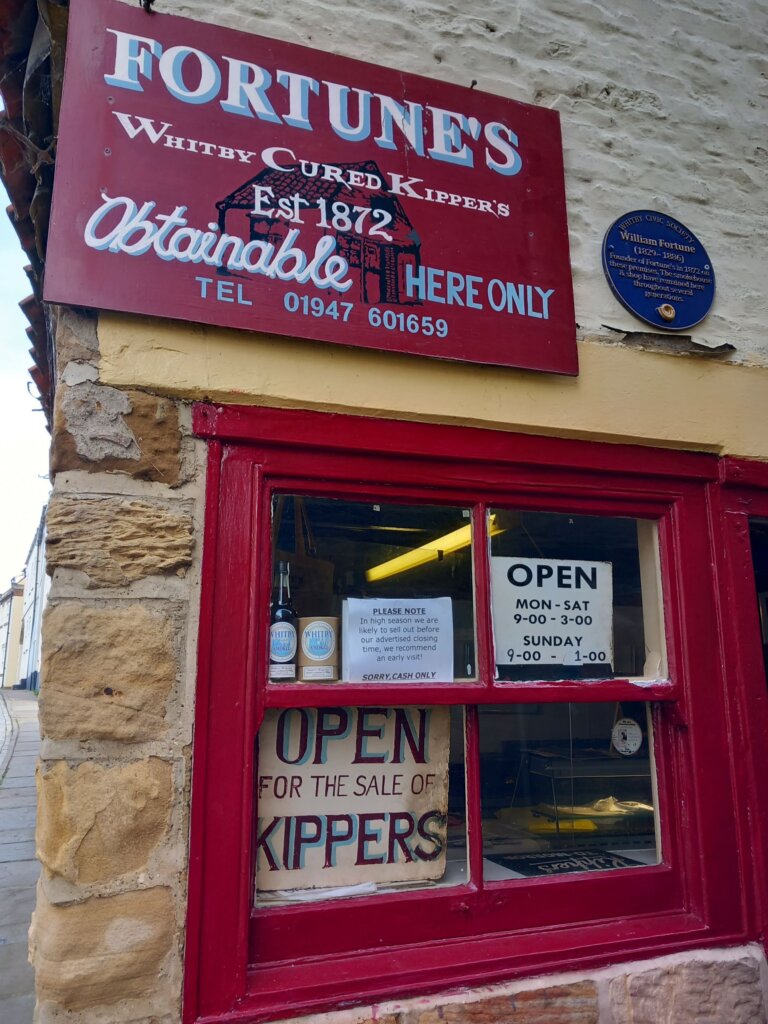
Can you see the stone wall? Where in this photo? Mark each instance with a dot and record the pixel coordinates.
(712, 987)
(116, 707)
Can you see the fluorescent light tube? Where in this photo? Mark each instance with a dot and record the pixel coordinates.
(430, 552)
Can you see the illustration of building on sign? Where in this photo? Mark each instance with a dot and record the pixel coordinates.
(378, 263)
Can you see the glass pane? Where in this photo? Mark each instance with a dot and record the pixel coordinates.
(575, 596)
(758, 536)
(378, 592)
(354, 801)
(566, 787)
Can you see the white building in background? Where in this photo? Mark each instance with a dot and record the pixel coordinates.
(11, 605)
(35, 595)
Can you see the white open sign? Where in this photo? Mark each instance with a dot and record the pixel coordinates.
(552, 611)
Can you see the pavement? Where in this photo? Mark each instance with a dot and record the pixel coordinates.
(19, 871)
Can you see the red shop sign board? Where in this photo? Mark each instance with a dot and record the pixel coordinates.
(208, 175)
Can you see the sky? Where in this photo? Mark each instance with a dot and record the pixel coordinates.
(24, 439)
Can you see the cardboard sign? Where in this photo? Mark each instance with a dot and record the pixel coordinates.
(532, 864)
(627, 736)
(386, 641)
(210, 175)
(348, 796)
(551, 611)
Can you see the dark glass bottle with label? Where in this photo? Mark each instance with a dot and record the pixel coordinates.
(282, 630)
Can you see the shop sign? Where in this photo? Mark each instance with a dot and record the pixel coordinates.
(389, 641)
(565, 862)
(351, 796)
(552, 611)
(209, 175)
(658, 270)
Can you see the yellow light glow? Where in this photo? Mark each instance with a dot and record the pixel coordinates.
(429, 552)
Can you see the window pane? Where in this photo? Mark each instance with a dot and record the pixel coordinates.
(389, 589)
(566, 787)
(758, 536)
(353, 801)
(575, 596)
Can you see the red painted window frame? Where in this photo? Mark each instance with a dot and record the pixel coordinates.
(740, 495)
(472, 934)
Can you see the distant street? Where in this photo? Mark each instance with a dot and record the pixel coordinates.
(19, 871)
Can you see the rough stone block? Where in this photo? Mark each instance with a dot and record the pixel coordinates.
(96, 823)
(106, 672)
(694, 992)
(75, 336)
(114, 540)
(390, 1018)
(98, 429)
(560, 1004)
(102, 951)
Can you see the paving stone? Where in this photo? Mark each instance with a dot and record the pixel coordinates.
(18, 1009)
(16, 851)
(18, 868)
(12, 782)
(17, 932)
(17, 835)
(16, 975)
(9, 789)
(16, 906)
(16, 798)
(20, 816)
(22, 764)
(17, 772)
(24, 872)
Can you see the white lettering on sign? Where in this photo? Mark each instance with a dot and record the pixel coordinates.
(351, 795)
(279, 96)
(551, 611)
(139, 230)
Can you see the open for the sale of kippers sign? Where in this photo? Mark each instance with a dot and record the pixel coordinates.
(348, 796)
(214, 176)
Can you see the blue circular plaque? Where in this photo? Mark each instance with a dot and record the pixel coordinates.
(658, 270)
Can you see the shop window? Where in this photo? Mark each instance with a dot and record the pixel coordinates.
(358, 801)
(575, 596)
(445, 735)
(566, 788)
(358, 559)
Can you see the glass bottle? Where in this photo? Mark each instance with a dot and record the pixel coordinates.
(282, 630)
